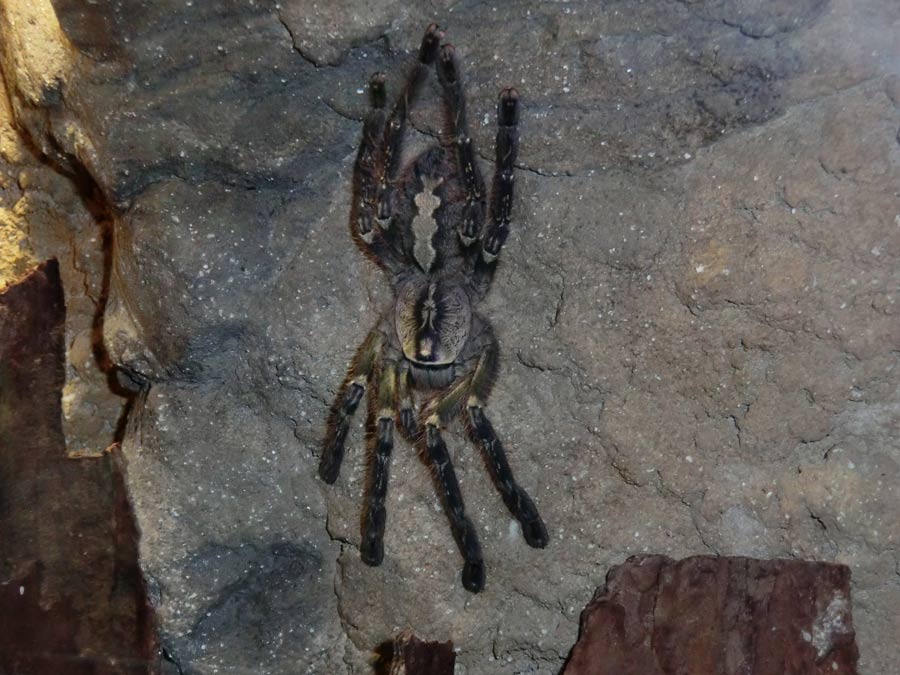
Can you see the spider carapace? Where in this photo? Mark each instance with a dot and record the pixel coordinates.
(430, 225)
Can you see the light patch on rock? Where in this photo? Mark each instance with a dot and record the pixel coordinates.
(742, 533)
(515, 531)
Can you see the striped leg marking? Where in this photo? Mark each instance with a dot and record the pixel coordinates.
(463, 530)
(516, 499)
(333, 452)
(371, 549)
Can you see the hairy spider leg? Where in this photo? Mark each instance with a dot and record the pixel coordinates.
(371, 548)
(482, 434)
(385, 206)
(367, 170)
(345, 404)
(450, 77)
(501, 190)
(448, 489)
(395, 127)
(439, 411)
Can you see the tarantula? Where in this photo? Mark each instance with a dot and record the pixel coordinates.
(431, 339)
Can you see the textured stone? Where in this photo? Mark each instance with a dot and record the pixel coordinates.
(696, 307)
(48, 209)
(717, 616)
(72, 598)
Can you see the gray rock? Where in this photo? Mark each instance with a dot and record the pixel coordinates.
(697, 309)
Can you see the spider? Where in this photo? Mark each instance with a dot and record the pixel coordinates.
(423, 224)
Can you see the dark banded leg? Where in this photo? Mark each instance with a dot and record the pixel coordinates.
(368, 166)
(463, 530)
(482, 434)
(396, 122)
(451, 80)
(345, 405)
(516, 499)
(367, 171)
(371, 548)
(502, 191)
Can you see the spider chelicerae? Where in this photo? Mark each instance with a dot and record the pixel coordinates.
(424, 224)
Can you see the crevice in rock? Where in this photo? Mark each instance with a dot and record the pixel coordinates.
(51, 153)
(306, 57)
(123, 382)
(818, 519)
(174, 666)
(33, 122)
(374, 36)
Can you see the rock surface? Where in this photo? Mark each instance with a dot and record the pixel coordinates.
(718, 616)
(72, 599)
(697, 307)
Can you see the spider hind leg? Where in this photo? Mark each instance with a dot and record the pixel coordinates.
(344, 407)
(463, 530)
(371, 548)
(333, 454)
(516, 499)
(374, 517)
(482, 434)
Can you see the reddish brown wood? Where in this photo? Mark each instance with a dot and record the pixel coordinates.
(718, 616)
(408, 655)
(72, 598)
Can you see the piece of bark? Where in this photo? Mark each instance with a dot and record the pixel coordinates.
(711, 615)
(408, 655)
(72, 599)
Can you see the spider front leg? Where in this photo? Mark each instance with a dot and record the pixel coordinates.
(473, 212)
(371, 548)
(502, 190)
(367, 172)
(345, 404)
(396, 122)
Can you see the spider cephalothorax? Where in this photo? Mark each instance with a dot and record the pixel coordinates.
(424, 224)
(433, 318)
